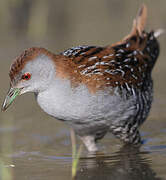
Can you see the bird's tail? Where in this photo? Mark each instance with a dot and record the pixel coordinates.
(139, 40)
(158, 32)
(140, 22)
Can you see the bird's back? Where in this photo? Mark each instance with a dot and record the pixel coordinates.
(126, 64)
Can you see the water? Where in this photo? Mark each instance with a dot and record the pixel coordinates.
(41, 149)
(34, 146)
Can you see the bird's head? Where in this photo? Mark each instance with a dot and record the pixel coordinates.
(32, 71)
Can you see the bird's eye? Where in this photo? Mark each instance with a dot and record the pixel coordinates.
(26, 76)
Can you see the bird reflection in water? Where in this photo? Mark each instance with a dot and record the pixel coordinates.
(127, 164)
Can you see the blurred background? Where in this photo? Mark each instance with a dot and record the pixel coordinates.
(34, 145)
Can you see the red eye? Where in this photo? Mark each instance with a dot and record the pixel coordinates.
(26, 76)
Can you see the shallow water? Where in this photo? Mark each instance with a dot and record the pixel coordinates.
(34, 146)
(42, 150)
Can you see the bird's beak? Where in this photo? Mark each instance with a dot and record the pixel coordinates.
(11, 95)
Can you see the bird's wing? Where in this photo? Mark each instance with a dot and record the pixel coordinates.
(124, 64)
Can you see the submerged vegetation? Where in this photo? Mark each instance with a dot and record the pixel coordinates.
(75, 154)
(6, 166)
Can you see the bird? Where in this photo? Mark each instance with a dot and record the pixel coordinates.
(94, 89)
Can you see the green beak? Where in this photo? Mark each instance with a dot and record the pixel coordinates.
(11, 95)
